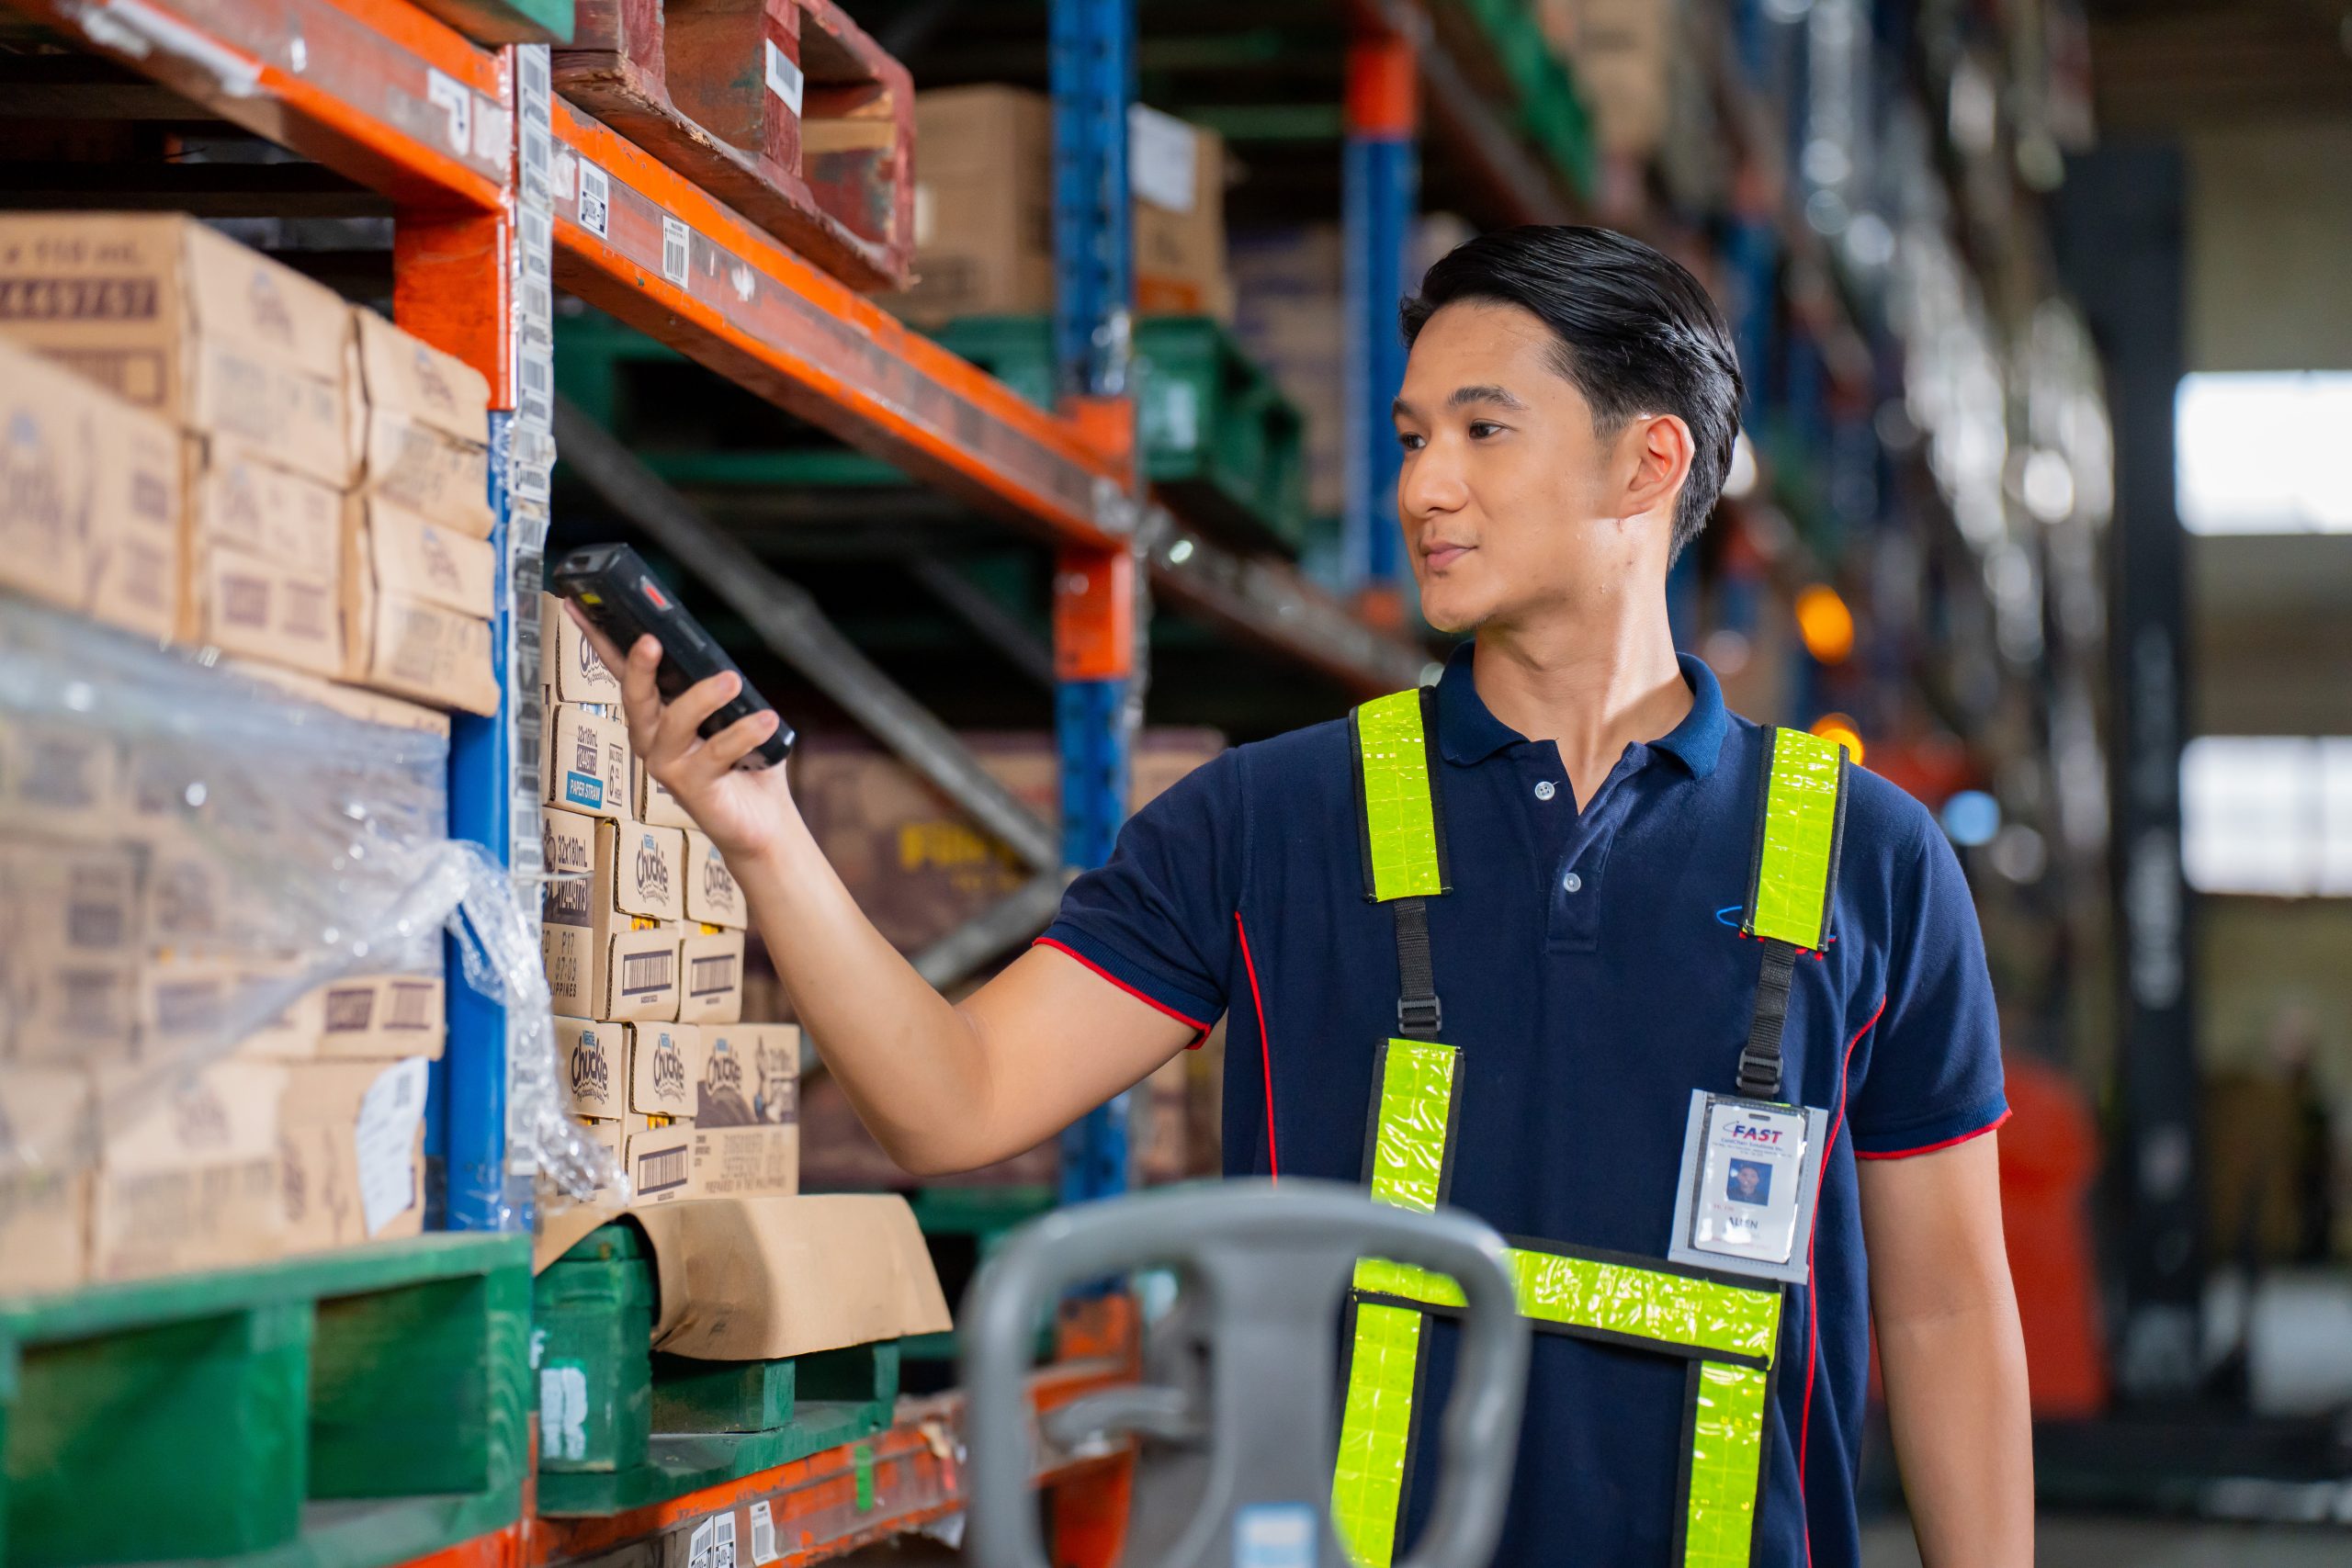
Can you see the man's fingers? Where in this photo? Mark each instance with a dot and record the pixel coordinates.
(640, 695)
(680, 720)
(730, 745)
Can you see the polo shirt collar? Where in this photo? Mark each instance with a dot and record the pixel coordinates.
(1468, 732)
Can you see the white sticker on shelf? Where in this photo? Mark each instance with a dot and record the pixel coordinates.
(563, 1411)
(494, 132)
(565, 183)
(595, 200)
(698, 1547)
(390, 1114)
(454, 99)
(784, 76)
(763, 1549)
(674, 249)
(722, 1541)
(1163, 158)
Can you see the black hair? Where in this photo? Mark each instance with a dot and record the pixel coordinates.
(1635, 332)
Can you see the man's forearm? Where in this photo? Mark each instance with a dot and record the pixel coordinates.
(1956, 1400)
(907, 1058)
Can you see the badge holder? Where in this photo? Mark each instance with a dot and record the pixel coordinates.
(1750, 1179)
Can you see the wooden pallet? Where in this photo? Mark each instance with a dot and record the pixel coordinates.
(622, 1428)
(783, 109)
(343, 1410)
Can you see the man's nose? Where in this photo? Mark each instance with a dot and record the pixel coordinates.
(1431, 481)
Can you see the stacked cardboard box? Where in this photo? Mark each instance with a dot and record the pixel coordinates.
(643, 930)
(984, 241)
(1622, 53)
(1291, 319)
(326, 508)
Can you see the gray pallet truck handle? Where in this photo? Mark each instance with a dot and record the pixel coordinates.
(1274, 1263)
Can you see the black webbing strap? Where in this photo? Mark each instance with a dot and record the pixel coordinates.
(1759, 1059)
(1419, 1014)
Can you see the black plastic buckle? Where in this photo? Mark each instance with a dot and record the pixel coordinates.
(1419, 1020)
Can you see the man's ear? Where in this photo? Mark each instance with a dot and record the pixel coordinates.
(1654, 453)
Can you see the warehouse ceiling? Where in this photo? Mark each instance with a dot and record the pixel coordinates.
(2181, 64)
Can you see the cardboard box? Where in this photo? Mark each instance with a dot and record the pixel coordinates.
(601, 962)
(416, 601)
(252, 605)
(74, 925)
(569, 667)
(188, 1172)
(176, 318)
(264, 554)
(592, 1063)
(59, 780)
(710, 975)
(640, 871)
(90, 509)
(426, 446)
(916, 865)
(45, 1150)
(665, 1063)
(713, 896)
(1621, 52)
(584, 761)
(768, 1277)
(352, 1151)
(660, 1163)
(367, 708)
(360, 1018)
(750, 1075)
(651, 801)
(745, 1162)
(984, 218)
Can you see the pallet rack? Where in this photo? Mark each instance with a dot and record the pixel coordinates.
(502, 193)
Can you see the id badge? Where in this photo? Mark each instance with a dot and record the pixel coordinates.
(1751, 1173)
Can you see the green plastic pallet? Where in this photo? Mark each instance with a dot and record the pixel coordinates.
(1219, 438)
(341, 1410)
(622, 1427)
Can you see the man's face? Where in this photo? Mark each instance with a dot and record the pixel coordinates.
(1510, 502)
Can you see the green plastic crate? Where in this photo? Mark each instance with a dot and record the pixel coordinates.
(243, 1414)
(506, 21)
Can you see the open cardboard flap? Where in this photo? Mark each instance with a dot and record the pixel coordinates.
(565, 1227)
(753, 1279)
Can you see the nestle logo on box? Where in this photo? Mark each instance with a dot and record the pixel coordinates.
(589, 1071)
(669, 1068)
(582, 790)
(652, 868)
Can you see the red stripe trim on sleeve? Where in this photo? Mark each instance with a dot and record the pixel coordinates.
(1265, 1047)
(1152, 1002)
(1932, 1148)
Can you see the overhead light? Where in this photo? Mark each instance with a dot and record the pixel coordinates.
(1839, 727)
(2263, 453)
(1741, 479)
(1825, 624)
(1971, 817)
(2049, 485)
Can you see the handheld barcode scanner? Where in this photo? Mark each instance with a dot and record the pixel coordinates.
(625, 601)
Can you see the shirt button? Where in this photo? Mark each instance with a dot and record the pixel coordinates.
(1572, 882)
(1545, 789)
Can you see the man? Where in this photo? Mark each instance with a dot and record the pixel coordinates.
(1595, 951)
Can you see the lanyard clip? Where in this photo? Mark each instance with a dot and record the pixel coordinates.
(1420, 1018)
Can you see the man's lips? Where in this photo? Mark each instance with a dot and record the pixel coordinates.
(1437, 558)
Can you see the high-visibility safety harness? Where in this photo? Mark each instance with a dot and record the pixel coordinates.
(1726, 1327)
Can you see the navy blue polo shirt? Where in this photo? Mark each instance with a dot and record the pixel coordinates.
(1593, 975)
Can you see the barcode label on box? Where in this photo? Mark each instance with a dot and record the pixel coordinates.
(661, 1170)
(698, 1547)
(763, 1549)
(722, 1541)
(784, 76)
(673, 250)
(644, 972)
(595, 200)
(712, 975)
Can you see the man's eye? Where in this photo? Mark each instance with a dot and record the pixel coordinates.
(1411, 442)
(1482, 428)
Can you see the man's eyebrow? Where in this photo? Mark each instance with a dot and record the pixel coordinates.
(1464, 395)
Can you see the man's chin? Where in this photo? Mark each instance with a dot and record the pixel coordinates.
(1450, 619)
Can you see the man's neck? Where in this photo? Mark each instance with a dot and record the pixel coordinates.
(1591, 684)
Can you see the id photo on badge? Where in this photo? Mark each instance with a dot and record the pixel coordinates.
(1749, 1181)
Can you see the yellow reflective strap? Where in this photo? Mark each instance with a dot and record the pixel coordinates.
(1799, 834)
(1647, 1303)
(1651, 1304)
(1726, 1462)
(1375, 1430)
(1408, 1140)
(1400, 824)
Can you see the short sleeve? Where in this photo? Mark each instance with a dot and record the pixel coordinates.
(1933, 1074)
(1157, 920)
